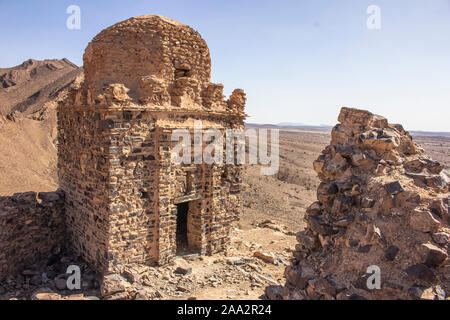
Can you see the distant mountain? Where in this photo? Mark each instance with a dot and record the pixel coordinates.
(430, 134)
(29, 95)
(29, 86)
(289, 125)
(300, 126)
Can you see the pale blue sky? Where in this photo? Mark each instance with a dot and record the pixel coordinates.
(298, 61)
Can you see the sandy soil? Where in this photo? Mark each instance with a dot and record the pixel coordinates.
(285, 196)
(28, 156)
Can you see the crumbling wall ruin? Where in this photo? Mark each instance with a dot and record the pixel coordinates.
(382, 203)
(144, 78)
(32, 227)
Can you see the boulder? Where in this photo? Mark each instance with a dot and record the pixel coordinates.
(45, 294)
(391, 252)
(113, 284)
(433, 255)
(294, 277)
(421, 272)
(15, 116)
(423, 221)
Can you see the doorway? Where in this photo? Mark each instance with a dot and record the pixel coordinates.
(182, 229)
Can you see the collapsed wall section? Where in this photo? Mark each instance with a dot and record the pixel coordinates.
(382, 212)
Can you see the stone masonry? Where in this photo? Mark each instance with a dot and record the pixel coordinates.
(32, 227)
(126, 201)
(381, 202)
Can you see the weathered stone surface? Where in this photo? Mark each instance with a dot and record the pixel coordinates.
(29, 230)
(421, 272)
(441, 238)
(433, 255)
(145, 78)
(15, 116)
(394, 187)
(294, 277)
(183, 271)
(392, 252)
(314, 209)
(319, 226)
(274, 292)
(238, 261)
(423, 221)
(60, 283)
(323, 287)
(265, 256)
(380, 202)
(357, 297)
(45, 294)
(114, 284)
(49, 196)
(2, 120)
(439, 208)
(418, 165)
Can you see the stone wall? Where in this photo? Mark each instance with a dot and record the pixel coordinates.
(381, 204)
(83, 174)
(217, 185)
(121, 186)
(153, 55)
(31, 227)
(144, 78)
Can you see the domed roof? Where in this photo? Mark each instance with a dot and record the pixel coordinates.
(144, 47)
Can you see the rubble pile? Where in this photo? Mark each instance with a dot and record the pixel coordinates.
(380, 228)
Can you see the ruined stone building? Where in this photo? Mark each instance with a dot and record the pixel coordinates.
(122, 200)
(126, 202)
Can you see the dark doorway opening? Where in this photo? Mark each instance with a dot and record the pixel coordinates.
(182, 230)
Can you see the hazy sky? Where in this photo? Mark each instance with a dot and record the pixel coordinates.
(298, 61)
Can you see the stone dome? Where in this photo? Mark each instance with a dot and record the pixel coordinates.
(144, 49)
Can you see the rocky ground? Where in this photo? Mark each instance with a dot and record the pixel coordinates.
(256, 258)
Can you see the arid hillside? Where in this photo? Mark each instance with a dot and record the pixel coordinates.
(286, 195)
(28, 156)
(29, 86)
(29, 94)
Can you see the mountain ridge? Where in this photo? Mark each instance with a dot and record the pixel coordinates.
(28, 86)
